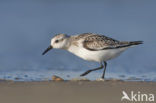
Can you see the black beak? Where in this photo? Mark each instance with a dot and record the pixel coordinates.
(49, 48)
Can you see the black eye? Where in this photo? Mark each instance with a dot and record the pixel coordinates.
(56, 41)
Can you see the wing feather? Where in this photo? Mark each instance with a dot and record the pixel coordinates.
(101, 42)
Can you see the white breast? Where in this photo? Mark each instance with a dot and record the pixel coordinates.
(97, 56)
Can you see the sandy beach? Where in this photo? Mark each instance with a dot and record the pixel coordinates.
(71, 91)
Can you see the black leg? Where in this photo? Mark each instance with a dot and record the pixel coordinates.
(88, 71)
(105, 65)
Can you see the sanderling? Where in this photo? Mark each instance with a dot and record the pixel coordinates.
(91, 47)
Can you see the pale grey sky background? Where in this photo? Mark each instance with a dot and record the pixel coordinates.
(26, 27)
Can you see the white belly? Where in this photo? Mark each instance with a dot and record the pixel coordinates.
(97, 56)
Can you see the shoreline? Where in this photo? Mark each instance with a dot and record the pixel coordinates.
(68, 75)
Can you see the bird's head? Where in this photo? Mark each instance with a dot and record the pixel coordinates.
(59, 41)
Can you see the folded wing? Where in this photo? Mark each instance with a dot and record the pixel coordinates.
(101, 42)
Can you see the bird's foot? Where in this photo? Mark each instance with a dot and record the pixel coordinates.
(100, 79)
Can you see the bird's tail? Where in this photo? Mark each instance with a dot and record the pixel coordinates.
(129, 44)
(135, 42)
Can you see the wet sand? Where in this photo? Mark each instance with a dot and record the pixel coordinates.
(70, 91)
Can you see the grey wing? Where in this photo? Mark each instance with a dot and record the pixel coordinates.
(97, 42)
(101, 42)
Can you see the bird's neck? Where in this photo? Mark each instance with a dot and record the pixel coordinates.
(67, 43)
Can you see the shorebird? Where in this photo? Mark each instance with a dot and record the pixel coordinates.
(91, 47)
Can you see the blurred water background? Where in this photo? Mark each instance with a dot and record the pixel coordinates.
(26, 27)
